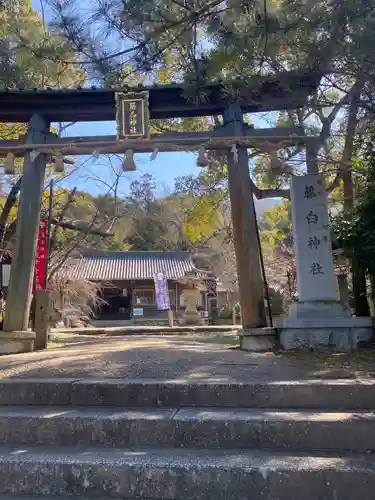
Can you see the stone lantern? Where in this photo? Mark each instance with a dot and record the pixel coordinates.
(193, 287)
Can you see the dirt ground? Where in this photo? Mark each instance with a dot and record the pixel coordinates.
(215, 357)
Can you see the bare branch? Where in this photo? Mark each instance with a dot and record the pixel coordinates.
(61, 216)
(9, 204)
(80, 228)
(261, 194)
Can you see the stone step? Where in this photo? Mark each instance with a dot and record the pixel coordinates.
(197, 428)
(338, 394)
(14, 496)
(185, 474)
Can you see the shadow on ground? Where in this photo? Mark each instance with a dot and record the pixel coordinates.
(214, 358)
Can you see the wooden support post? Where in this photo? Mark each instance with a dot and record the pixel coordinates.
(23, 261)
(244, 227)
(50, 208)
(42, 315)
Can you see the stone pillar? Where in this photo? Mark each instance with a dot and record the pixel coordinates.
(318, 318)
(316, 280)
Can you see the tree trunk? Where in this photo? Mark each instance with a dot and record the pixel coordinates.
(361, 305)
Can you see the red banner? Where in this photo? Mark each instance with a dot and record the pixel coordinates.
(41, 256)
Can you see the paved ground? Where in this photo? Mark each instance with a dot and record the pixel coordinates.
(112, 331)
(168, 358)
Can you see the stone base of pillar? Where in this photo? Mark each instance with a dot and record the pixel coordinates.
(258, 339)
(311, 325)
(318, 309)
(16, 342)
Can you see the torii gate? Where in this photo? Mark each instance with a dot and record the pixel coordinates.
(39, 108)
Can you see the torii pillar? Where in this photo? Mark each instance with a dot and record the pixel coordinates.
(15, 336)
(251, 285)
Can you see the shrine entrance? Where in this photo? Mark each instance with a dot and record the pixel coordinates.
(118, 304)
(133, 109)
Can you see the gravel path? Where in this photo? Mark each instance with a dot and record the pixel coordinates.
(167, 358)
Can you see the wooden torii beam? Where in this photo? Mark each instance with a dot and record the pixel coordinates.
(263, 139)
(260, 93)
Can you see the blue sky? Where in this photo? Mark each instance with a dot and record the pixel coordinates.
(94, 175)
(165, 168)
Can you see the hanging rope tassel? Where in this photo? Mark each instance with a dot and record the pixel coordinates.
(128, 164)
(58, 166)
(202, 158)
(34, 155)
(234, 150)
(9, 167)
(154, 154)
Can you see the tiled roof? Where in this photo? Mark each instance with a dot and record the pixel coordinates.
(128, 266)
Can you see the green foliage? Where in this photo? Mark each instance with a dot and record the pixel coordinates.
(357, 237)
(206, 199)
(174, 222)
(155, 223)
(277, 245)
(277, 226)
(227, 313)
(32, 56)
(202, 218)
